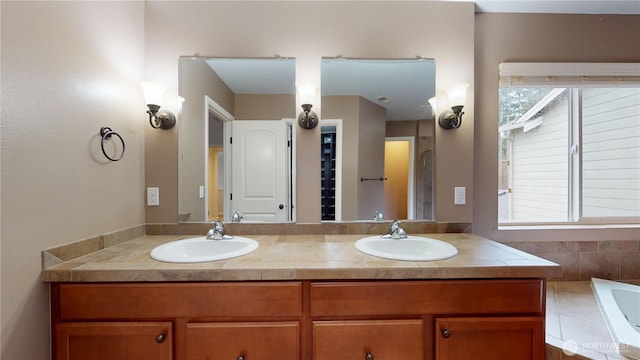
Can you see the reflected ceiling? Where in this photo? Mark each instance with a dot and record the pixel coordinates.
(559, 7)
(403, 88)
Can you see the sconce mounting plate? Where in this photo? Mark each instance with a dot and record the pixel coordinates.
(451, 119)
(166, 119)
(160, 119)
(307, 119)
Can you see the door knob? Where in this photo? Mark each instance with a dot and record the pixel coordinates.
(369, 356)
(281, 206)
(445, 333)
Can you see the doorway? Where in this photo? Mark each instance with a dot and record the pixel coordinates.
(331, 170)
(217, 129)
(399, 188)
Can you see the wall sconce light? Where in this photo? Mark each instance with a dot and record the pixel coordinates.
(307, 119)
(153, 93)
(452, 119)
(432, 102)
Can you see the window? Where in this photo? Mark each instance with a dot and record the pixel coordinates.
(569, 143)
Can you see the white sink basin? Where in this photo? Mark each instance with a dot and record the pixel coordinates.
(413, 248)
(201, 249)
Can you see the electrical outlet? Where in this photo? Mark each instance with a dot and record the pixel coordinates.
(460, 197)
(153, 196)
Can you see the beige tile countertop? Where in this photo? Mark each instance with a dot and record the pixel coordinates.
(294, 257)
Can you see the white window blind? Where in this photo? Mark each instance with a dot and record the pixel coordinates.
(569, 74)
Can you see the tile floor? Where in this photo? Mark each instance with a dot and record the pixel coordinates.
(573, 318)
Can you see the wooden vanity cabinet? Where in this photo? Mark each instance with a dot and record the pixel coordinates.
(461, 319)
(305, 320)
(226, 320)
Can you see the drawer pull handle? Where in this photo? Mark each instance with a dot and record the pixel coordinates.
(445, 333)
(161, 338)
(241, 357)
(369, 356)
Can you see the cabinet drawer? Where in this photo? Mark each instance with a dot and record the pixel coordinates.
(384, 339)
(116, 340)
(427, 297)
(170, 300)
(254, 340)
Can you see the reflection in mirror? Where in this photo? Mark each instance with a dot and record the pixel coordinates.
(252, 100)
(377, 139)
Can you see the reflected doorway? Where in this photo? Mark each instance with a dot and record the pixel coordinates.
(215, 168)
(331, 170)
(399, 172)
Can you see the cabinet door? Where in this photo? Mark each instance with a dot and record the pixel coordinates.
(382, 339)
(247, 341)
(114, 340)
(479, 338)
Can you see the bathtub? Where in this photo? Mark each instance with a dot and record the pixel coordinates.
(620, 307)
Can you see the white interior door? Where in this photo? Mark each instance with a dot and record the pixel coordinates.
(259, 170)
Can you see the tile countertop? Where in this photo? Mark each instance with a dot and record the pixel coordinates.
(300, 257)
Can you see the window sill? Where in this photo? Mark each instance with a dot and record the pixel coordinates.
(565, 226)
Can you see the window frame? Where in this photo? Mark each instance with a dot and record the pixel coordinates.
(573, 76)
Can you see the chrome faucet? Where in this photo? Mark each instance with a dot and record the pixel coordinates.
(379, 216)
(236, 217)
(217, 232)
(396, 231)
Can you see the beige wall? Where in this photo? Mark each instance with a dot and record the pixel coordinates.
(358, 29)
(363, 132)
(536, 38)
(371, 129)
(67, 70)
(346, 108)
(265, 107)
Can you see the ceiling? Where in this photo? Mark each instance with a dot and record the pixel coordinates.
(277, 75)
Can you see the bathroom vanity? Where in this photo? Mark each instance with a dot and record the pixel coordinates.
(300, 297)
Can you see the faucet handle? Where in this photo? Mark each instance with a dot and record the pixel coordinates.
(217, 232)
(395, 225)
(396, 231)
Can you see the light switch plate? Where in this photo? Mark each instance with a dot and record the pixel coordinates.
(153, 196)
(201, 191)
(460, 197)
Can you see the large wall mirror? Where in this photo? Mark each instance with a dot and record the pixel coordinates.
(377, 139)
(377, 136)
(252, 100)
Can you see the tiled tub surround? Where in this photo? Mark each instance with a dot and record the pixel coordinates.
(575, 323)
(301, 257)
(583, 260)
